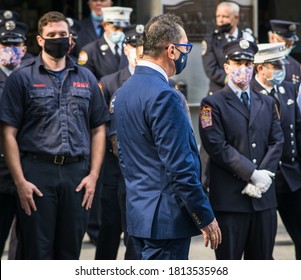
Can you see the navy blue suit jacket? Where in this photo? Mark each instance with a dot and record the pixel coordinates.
(238, 142)
(159, 159)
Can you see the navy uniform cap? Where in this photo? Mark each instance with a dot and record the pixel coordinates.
(6, 15)
(133, 34)
(12, 32)
(286, 29)
(240, 50)
(75, 27)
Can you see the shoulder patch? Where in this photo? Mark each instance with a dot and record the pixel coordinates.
(82, 58)
(206, 116)
(204, 47)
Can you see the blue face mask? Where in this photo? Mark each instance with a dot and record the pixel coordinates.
(278, 77)
(96, 17)
(181, 62)
(116, 37)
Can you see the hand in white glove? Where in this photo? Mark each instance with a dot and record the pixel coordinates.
(262, 179)
(252, 190)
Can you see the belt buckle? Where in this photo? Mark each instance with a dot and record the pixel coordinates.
(59, 160)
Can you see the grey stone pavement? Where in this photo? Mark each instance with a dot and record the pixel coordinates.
(284, 249)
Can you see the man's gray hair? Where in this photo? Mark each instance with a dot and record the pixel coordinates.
(159, 32)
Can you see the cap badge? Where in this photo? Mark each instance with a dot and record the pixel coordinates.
(121, 12)
(10, 25)
(71, 21)
(244, 44)
(8, 15)
(292, 27)
(139, 28)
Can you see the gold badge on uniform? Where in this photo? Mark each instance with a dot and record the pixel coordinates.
(206, 116)
(82, 58)
(111, 107)
(204, 47)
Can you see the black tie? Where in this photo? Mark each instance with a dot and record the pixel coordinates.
(117, 54)
(245, 99)
(231, 38)
(273, 94)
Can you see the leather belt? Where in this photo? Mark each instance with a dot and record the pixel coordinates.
(55, 159)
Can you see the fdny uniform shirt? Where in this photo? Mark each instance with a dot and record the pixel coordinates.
(50, 118)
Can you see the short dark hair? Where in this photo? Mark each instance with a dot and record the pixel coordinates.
(52, 16)
(159, 32)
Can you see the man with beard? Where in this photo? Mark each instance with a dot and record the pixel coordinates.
(55, 172)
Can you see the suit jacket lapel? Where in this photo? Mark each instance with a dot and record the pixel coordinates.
(234, 101)
(255, 107)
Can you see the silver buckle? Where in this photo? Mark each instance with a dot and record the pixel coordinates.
(59, 160)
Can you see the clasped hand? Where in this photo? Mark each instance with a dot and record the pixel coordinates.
(260, 183)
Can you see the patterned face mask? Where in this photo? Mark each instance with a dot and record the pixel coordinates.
(241, 76)
(10, 57)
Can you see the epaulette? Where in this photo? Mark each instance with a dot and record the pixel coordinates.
(27, 62)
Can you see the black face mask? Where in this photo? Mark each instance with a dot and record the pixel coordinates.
(225, 28)
(57, 47)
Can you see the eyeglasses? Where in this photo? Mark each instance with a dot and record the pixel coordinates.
(187, 46)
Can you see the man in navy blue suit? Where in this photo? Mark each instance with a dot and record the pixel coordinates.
(158, 153)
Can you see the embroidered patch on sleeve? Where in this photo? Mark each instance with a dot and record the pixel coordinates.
(206, 116)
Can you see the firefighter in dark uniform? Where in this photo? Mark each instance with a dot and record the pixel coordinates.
(12, 50)
(227, 16)
(113, 220)
(105, 56)
(269, 80)
(53, 125)
(91, 26)
(241, 132)
(286, 31)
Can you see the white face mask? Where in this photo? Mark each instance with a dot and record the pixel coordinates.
(132, 57)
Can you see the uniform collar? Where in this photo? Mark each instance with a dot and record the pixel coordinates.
(70, 64)
(268, 89)
(153, 66)
(238, 91)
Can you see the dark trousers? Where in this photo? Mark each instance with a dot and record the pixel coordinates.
(130, 251)
(165, 249)
(110, 229)
(8, 209)
(247, 235)
(57, 228)
(289, 208)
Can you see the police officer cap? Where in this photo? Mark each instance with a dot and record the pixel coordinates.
(286, 29)
(273, 53)
(133, 34)
(119, 16)
(12, 31)
(240, 50)
(6, 15)
(75, 27)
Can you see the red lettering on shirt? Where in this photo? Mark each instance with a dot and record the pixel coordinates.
(39, 85)
(81, 84)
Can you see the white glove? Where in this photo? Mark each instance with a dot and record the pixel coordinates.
(252, 190)
(262, 179)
